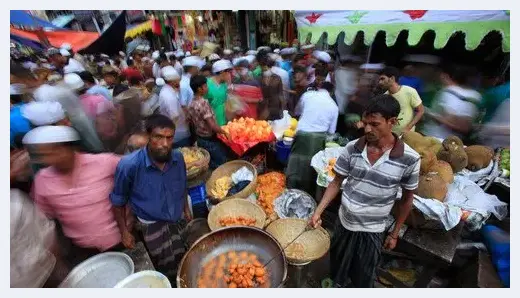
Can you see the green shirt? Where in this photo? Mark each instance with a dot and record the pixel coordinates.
(217, 96)
(257, 72)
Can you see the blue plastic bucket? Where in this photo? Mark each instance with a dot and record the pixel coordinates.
(282, 152)
(197, 194)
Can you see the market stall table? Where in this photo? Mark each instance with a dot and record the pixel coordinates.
(434, 249)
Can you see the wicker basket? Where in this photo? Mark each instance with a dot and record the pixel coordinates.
(194, 169)
(228, 169)
(238, 207)
(316, 242)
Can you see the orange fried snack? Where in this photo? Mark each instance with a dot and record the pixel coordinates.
(270, 186)
(237, 221)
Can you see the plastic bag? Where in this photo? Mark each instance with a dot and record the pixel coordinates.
(243, 174)
(281, 125)
(234, 106)
(320, 163)
(294, 203)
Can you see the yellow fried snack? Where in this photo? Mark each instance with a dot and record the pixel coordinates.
(222, 186)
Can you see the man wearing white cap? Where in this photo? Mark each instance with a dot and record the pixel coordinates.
(170, 106)
(41, 113)
(72, 65)
(227, 54)
(218, 89)
(160, 61)
(74, 189)
(76, 56)
(191, 66)
(88, 101)
(57, 60)
(287, 55)
(19, 125)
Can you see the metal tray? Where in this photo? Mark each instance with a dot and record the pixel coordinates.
(104, 270)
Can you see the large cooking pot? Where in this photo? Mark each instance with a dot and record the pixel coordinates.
(249, 239)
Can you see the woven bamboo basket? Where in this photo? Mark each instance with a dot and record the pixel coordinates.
(315, 242)
(228, 169)
(238, 207)
(194, 169)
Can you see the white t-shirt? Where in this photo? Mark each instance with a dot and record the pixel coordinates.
(319, 112)
(156, 70)
(186, 91)
(346, 80)
(178, 67)
(451, 101)
(73, 66)
(170, 106)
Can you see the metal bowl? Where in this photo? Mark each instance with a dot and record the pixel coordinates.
(249, 239)
(104, 270)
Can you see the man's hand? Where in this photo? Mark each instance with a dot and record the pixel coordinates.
(128, 240)
(390, 242)
(315, 220)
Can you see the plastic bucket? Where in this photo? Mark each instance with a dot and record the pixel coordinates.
(282, 152)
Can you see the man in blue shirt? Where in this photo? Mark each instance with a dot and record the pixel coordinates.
(18, 124)
(153, 181)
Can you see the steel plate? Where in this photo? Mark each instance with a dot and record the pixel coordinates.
(104, 270)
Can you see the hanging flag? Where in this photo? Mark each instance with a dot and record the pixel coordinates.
(156, 26)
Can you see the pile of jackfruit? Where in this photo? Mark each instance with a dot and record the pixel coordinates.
(441, 160)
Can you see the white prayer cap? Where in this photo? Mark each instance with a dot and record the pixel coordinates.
(160, 82)
(74, 81)
(213, 57)
(168, 54)
(50, 134)
(276, 51)
(307, 47)
(322, 56)
(52, 51)
(372, 66)
(237, 49)
(250, 58)
(104, 56)
(169, 73)
(288, 51)
(188, 54)
(264, 48)
(179, 53)
(17, 89)
(192, 61)
(122, 54)
(66, 46)
(43, 112)
(221, 65)
(44, 93)
(237, 61)
(140, 47)
(228, 52)
(251, 52)
(274, 57)
(146, 48)
(64, 52)
(155, 55)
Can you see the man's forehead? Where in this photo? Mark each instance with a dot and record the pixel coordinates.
(163, 131)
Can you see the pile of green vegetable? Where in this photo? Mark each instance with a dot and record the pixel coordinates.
(504, 161)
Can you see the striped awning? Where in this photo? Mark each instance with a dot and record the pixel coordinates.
(138, 29)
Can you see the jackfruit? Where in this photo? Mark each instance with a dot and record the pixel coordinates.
(479, 157)
(434, 144)
(414, 140)
(452, 140)
(454, 155)
(431, 186)
(444, 170)
(428, 159)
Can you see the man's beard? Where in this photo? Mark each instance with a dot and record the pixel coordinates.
(160, 156)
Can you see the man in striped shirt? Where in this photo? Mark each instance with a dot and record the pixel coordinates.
(374, 166)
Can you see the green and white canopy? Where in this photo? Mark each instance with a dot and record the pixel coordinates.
(475, 24)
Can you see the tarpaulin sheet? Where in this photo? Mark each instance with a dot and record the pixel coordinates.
(112, 40)
(241, 147)
(22, 18)
(77, 39)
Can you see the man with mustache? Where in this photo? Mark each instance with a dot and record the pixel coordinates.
(374, 167)
(153, 181)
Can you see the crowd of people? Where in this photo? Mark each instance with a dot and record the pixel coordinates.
(93, 139)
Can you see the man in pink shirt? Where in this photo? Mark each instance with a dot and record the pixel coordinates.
(74, 189)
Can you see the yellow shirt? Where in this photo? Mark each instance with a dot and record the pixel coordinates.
(409, 100)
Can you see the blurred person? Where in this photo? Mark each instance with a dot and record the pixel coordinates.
(203, 118)
(57, 60)
(170, 106)
(74, 190)
(191, 66)
(76, 56)
(346, 78)
(456, 110)
(218, 89)
(287, 56)
(284, 75)
(71, 65)
(151, 104)
(368, 86)
(273, 101)
(412, 109)
(93, 87)
(370, 170)
(113, 80)
(300, 85)
(319, 115)
(411, 78)
(206, 71)
(496, 91)
(496, 132)
(160, 61)
(18, 124)
(242, 74)
(88, 101)
(152, 181)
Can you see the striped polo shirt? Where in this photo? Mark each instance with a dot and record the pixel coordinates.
(369, 190)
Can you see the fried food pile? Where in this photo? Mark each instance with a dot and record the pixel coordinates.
(222, 186)
(270, 186)
(191, 155)
(237, 221)
(233, 270)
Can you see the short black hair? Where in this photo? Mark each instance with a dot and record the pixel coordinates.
(134, 81)
(299, 56)
(263, 58)
(299, 68)
(86, 76)
(196, 82)
(328, 86)
(206, 68)
(391, 71)
(321, 70)
(158, 121)
(385, 105)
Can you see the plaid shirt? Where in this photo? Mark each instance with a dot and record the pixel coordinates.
(199, 111)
